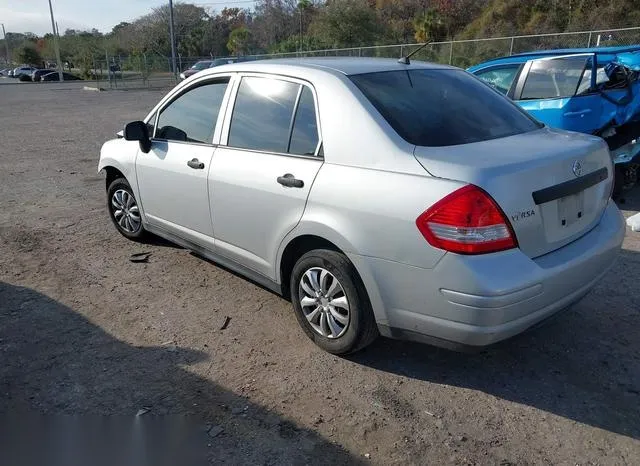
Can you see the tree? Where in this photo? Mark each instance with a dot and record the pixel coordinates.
(396, 18)
(239, 40)
(275, 21)
(120, 27)
(429, 26)
(28, 54)
(346, 23)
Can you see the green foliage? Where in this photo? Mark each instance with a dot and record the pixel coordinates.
(515, 17)
(239, 41)
(346, 23)
(277, 26)
(429, 26)
(29, 54)
(292, 44)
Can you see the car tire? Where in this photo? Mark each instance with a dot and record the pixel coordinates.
(124, 210)
(341, 330)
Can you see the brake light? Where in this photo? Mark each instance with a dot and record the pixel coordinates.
(467, 221)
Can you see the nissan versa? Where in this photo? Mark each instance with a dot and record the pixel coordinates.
(408, 200)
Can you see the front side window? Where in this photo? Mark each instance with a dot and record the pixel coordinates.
(500, 78)
(192, 116)
(437, 107)
(262, 114)
(555, 78)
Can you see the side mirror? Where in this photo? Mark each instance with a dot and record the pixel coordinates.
(138, 131)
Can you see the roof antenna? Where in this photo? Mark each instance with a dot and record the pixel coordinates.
(405, 60)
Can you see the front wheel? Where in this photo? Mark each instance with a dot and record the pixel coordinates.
(331, 303)
(124, 210)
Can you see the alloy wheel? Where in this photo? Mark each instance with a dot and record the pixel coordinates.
(324, 302)
(126, 211)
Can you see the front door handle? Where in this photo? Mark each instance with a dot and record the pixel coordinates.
(290, 181)
(195, 164)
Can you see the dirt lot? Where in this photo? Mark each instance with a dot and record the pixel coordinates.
(84, 330)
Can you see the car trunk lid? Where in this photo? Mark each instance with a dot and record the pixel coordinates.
(552, 185)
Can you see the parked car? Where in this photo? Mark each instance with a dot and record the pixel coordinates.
(54, 76)
(594, 91)
(205, 64)
(229, 60)
(10, 73)
(4, 72)
(407, 200)
(199, 66)
(37, 74)
(17, 72)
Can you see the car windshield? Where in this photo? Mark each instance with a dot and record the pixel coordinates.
(442, 107)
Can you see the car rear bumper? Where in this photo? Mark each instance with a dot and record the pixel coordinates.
(479, 300)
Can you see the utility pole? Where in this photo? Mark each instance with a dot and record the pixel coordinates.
(55, 43)
(173, 41)
(6, 43)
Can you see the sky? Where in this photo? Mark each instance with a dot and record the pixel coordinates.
(33, 15)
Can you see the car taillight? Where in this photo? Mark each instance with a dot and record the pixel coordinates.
(467, 221)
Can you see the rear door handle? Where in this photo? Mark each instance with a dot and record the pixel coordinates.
(195, 164)
(290, 181)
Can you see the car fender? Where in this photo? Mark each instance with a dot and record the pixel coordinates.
(121, 154)
(118, 154)
(326, 232)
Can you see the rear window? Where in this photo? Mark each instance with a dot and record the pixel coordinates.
(442, 107)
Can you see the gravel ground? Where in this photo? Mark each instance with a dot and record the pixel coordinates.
(85, 331)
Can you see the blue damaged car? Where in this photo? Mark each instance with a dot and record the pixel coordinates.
(594, 91)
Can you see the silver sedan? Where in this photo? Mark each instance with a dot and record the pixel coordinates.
(404, 199)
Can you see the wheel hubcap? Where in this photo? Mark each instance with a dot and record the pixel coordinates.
(324, 302)
(125, 211)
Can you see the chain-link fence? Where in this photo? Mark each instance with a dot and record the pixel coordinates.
(147, 70)
(464, 53)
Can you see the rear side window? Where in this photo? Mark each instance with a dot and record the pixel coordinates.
(262, 114)
(304, 136)
(272, 115)
(499, 78)
(442, 107)
(192, 116)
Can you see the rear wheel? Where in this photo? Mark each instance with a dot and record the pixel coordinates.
(124, 210)
(331, 303)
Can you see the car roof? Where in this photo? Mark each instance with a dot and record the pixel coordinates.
(604, 54)
(334, 65)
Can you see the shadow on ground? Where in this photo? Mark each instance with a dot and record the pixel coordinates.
(630, 200)
(583, 365)
(54, 361)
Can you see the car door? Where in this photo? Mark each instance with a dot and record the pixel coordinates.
(172, 177)
(262, 172)
(559, 91)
